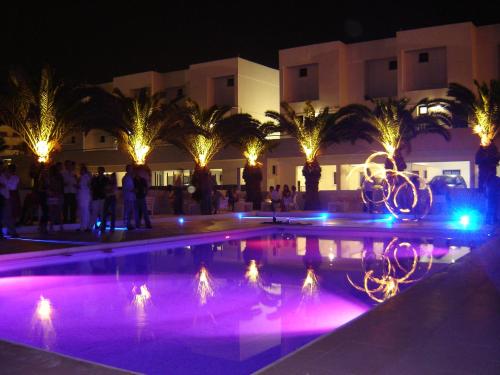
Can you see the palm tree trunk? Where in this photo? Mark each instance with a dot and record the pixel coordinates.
(487, 160)
(253, 179)
(202, 181)
(312, 173)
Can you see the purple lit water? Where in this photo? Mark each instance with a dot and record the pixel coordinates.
(240, 329)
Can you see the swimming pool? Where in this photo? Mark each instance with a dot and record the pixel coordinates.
(231, 305)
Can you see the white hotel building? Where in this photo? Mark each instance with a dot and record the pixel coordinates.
(414, 64)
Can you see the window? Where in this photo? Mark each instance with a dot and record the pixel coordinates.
(451, 172)
(423, 57)
(274, 170)
(230, 82)
(422, 110)
(393, 65)
(180, 92)
(303, 72)
(102, 139)
(73, 139)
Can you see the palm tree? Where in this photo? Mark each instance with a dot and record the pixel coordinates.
(394, 124)
(43, 111)
(314, 132)
(137, 121)
(202, 133)
(482, 113)
(254, 146)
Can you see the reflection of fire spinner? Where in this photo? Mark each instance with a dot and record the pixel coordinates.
(406, 195)
(383, 275)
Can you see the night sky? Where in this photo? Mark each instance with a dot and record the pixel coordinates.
(94, 41)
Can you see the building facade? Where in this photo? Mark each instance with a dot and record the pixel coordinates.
(415, 64)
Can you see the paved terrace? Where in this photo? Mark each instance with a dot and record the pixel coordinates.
(447, 324)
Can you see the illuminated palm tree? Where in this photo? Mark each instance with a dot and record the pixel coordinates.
(138, 120)
(394, 124)
(314, 132)
(202, 133)
(43, 111)
(482, 113)
(253, 147)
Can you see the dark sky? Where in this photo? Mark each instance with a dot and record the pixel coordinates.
(94, 41)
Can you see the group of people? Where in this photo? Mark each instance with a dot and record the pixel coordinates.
(9, 199)
(59, 194)
(286, 200)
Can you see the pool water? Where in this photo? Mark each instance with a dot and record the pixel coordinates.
(230, 306)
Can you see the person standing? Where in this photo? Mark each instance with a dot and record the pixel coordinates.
(98, 189)
(84, 198)
(141, 192)
(110, 203)
(285, 198)
(70, 186)
(178, 197)
(275, 198)
(56, 196)
(293, 198)
(42, 191)
(217, 196)
(128, 192)
(15, 199)
(7, 182)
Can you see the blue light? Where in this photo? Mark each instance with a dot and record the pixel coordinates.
(324, 215)
(468, 219)
(240, 216)
(465, 220)
(390, 218)
(180, 220)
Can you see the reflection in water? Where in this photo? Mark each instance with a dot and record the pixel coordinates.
(310, 284)
(141, 296)
(252, 273)
(204, 289)
(42, 322)
(44, 309)
(397, 265)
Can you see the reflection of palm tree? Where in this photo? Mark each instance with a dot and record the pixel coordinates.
(312, 257)
(482, 113)
(314, 132)
(202, 255)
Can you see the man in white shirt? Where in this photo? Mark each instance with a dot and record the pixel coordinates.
(70, 189)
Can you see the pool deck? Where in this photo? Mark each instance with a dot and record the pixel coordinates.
(447, 324)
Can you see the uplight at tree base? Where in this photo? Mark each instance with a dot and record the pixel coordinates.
(42, 151)
(140, 152)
